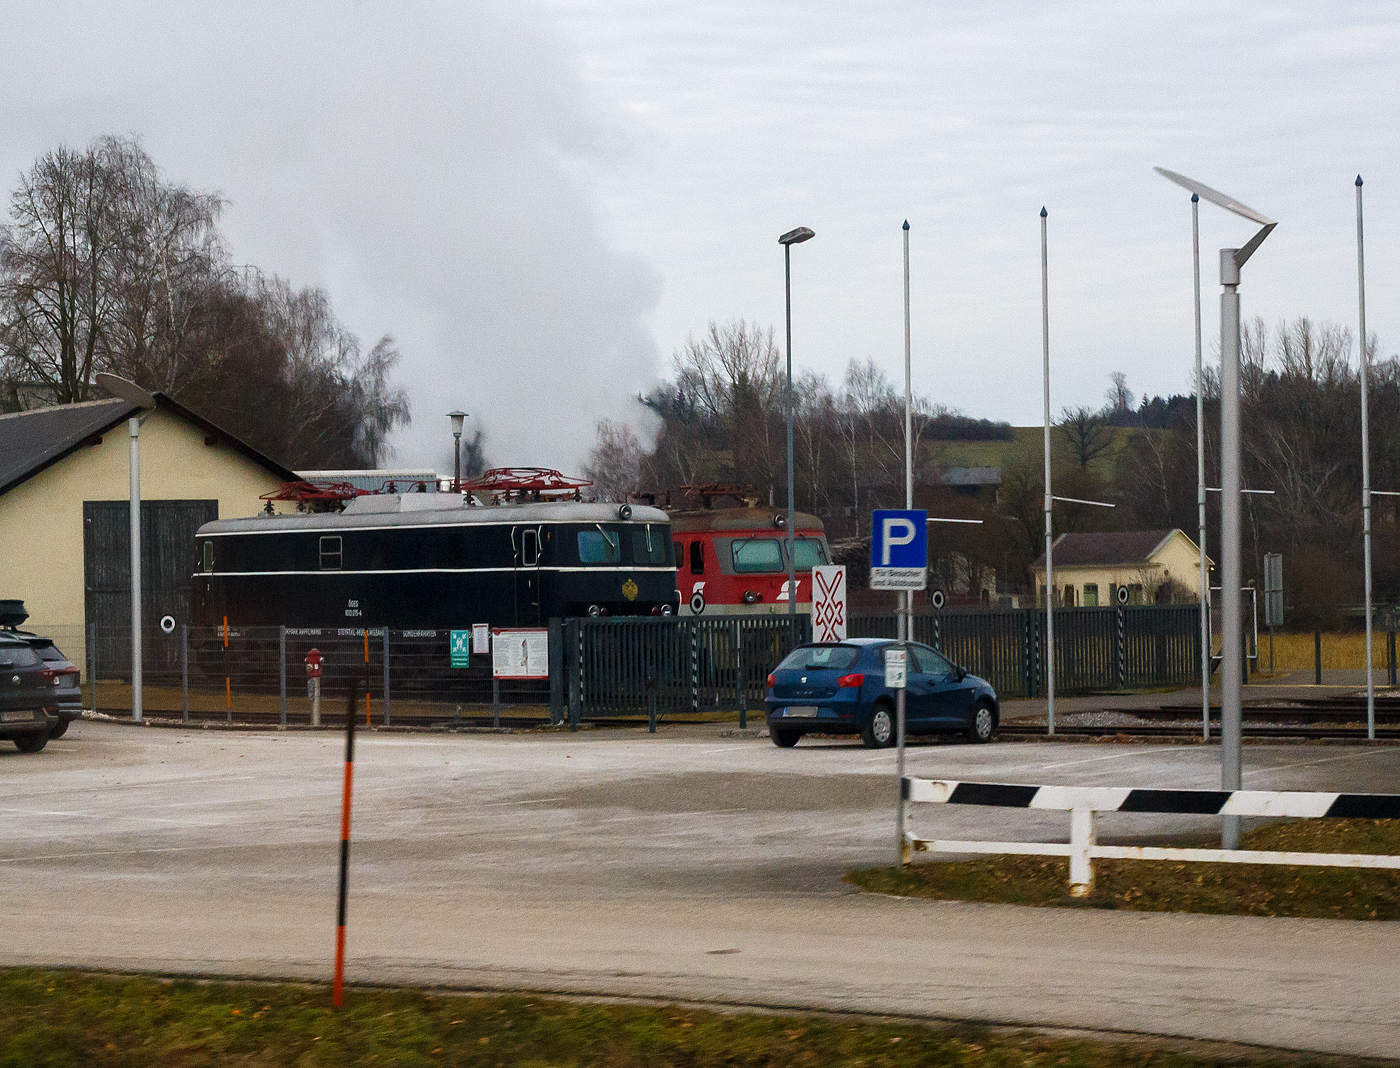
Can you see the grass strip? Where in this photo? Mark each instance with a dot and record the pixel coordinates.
(61, 1018)
(1167, 886)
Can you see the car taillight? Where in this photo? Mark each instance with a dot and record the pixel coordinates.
(855, 681)
(57, 676)
(772, 681)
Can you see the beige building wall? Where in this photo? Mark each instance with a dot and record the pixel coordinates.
(1177, 559)
(41, 520)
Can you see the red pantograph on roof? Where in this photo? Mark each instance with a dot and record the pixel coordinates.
(536, 481)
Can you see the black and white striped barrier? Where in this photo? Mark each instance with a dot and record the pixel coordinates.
(1082, 802)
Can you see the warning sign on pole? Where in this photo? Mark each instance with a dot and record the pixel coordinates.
(829, 603)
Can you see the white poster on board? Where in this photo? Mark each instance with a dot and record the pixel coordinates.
(520, 653)
(481, 638)
(829, 603)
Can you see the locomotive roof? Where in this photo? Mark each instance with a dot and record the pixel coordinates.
(758, 518)
(431, 509)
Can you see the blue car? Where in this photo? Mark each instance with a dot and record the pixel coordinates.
(839, 688)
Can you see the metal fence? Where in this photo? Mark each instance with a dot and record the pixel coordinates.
(600, 668)
(1096, 649)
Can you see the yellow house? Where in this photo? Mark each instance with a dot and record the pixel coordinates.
(64, 516)
(1153, 565)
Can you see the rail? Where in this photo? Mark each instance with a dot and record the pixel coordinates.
(1083, 803)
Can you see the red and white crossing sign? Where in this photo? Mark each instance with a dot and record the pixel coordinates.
(829, 603)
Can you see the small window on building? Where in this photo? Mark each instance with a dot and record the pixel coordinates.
(1135, 593)
(208, 556)
(1069, 597)
(697, 557)
(330, 552)
(1091, 595)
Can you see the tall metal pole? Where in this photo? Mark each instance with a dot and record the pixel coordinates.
(1201, 472)
(900, 707)
(1049, 499)
(134, 427)
(791, 559)
(1365, 462)
(1230, 768)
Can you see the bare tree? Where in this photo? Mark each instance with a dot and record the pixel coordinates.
(1087, 433)
(615, 462)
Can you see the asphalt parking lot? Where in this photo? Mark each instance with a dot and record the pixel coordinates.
(678, 865)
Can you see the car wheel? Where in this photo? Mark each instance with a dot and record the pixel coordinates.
(59, 729)
(982, 724)
(784, 739)
(878, 731)
(32, 742)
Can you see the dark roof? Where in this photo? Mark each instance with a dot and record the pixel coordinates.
(33, 441)
(1115, 549)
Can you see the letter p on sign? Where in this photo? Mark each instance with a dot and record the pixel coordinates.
(895, 531)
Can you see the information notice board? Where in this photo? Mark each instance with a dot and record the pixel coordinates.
(521, 653)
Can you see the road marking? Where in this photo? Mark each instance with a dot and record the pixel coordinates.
(1309, 763)
(1117, 756)
(114, 853)
(45, 812)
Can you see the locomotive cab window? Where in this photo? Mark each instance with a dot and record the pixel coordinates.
(648, 546)
(599, 546)
(330, 552)
(757, 555)
(208, 560)
(808, 553)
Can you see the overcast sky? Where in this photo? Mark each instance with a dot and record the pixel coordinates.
(541, 201)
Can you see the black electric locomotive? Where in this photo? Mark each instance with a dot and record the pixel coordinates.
(435, 560)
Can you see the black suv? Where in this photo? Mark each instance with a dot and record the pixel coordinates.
(26, 686)
(64, 694)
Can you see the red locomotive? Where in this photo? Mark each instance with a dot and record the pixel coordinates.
(732, 561)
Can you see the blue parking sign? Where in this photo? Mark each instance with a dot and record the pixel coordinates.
(899, 549)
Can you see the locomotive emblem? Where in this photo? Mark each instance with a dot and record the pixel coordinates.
(629, 590)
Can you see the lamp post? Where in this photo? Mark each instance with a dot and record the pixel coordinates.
(133, 394)
(457, 419)
(1231, 261)
(1050, 498)
(1365, 464)
(792, 237)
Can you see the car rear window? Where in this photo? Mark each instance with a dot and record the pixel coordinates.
(48, 651)
(18, 656)
(820, 658)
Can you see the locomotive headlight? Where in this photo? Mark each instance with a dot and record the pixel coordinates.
(596, 610)
(667, 610)
(750, 597)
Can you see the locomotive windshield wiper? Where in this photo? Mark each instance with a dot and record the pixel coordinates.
(611, 539)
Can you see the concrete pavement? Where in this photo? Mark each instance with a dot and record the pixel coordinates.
(614, 862)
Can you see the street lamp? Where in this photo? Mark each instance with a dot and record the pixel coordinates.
(1231, 261)
(457, 419)
(792, 237)
(133, 394)
(1050, 498)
